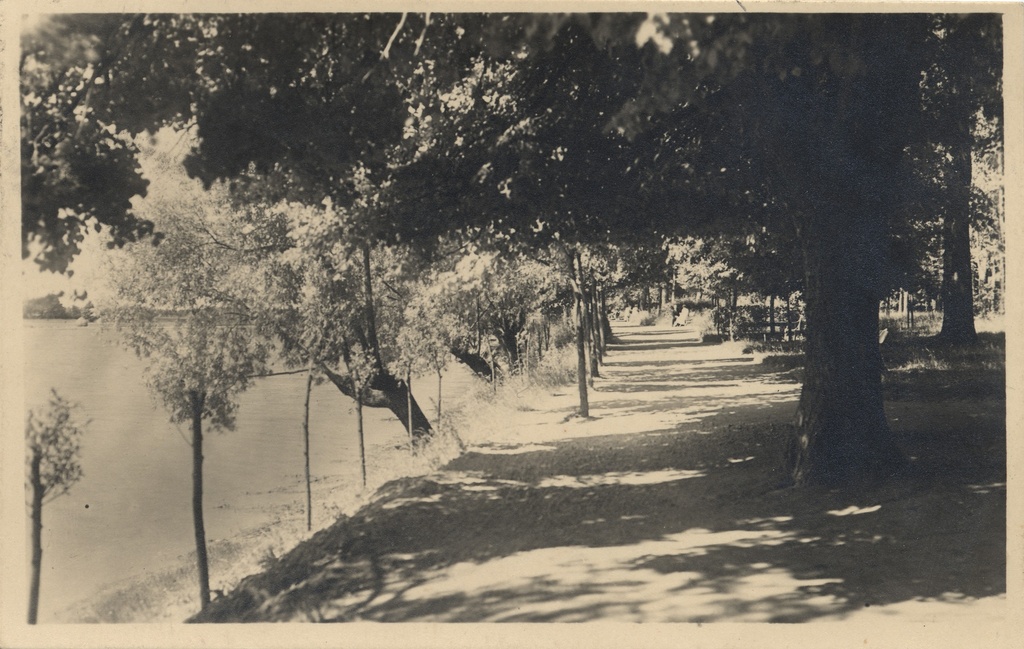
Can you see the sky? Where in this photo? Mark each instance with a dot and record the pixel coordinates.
(88, 267)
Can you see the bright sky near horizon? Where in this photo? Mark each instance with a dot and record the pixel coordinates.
(88, 266)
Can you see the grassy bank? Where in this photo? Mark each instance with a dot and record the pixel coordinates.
(168, 592)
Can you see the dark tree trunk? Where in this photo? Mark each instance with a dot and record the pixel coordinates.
(581, 343)
(606, 326)
(438, 424)
(475, 362)
(508, 338)
(588, 324)
(305, 440)
(841, 430)
(202, 562)
(789, 317)
(732, 314)
(385, 391)
(771, 316)
(362, 441)
(599, 321)
(384, 381)
(408, 392)
(399, 403)
(957, 275)
(38, 490)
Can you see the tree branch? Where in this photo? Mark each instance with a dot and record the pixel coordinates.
(260, 376)
(387, 48)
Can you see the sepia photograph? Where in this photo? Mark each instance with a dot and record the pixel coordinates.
(692, 320)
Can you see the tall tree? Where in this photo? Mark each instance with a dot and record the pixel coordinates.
(52, 439)
(713, 117)
(178, 306)
(964, 83)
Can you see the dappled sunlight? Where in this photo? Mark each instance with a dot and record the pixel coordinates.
(508, 449)
(399, 502)
(618, 478)
(853, 510)
(663, 506)
(472, 479)
(627, 582)
(987, 488)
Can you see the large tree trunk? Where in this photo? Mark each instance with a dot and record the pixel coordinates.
(202, 562)
(841, 431)
(508, 338)
(957, 274)
(37, 534)
(385, 391)
(477, 363)
(389, 387)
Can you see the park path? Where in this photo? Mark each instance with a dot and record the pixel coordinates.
(663, 507)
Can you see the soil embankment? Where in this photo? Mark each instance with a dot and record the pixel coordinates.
(664, 507)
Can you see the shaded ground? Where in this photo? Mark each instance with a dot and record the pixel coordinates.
(664, 508)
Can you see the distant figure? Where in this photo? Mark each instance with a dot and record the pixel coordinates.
(684, 315)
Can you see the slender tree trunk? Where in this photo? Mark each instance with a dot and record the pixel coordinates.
(305, 441)
(581, 344)
(476, 327)
(202, 561)
(438, 399)
(771, 316)
(588, 310)
(606, 326)
(38, 491)
(526, 353)
(789, 317)
(841, 430)
(408, 392)
(362, 441)
(599, 317)
(494, 366)
(957, 275)
(732, 314)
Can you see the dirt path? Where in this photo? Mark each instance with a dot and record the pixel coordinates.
(662, 508)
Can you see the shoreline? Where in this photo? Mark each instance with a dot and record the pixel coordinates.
(167, 594)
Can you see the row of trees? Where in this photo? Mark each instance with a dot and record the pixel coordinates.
(368, 157)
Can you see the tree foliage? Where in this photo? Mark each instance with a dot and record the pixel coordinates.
(54, 437)
(78, 168)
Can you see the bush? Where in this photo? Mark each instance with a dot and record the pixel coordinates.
(703, 321)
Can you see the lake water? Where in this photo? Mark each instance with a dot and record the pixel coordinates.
(131, 512)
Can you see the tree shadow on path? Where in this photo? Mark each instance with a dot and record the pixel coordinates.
(677, 524)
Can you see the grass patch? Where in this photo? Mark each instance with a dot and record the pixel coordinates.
(916, 367)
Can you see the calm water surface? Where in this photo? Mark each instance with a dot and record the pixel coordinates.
(131, 512)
